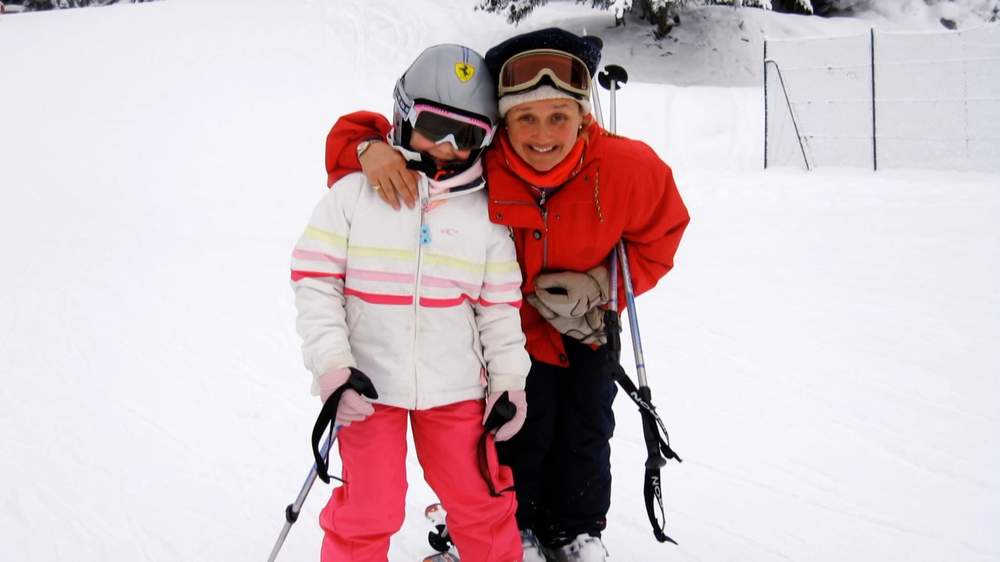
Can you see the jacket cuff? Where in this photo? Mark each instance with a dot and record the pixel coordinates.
(331, 361)
(500, 382)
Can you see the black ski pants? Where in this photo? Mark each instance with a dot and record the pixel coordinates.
(561, 458)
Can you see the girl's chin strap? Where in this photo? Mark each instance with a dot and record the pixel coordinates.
(470, 177)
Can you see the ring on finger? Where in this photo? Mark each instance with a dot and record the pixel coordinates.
(376, 187)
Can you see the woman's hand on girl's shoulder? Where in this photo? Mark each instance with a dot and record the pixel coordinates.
(387, 173)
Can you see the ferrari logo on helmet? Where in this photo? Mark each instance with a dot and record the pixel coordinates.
(464, 71)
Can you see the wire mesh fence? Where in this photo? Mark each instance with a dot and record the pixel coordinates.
(885, 100)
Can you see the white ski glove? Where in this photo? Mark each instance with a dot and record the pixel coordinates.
(571, 301)
(571, 293)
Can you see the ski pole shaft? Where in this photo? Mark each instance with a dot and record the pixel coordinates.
(633, 320)
(611, 79)
(597, 106)
(614, 282)
(293, 509)
(614, 124)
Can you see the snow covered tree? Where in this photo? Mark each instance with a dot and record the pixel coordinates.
(38, 5)
(793, 6)
(516, 10)
(800, 6)
(835, 7)
(663, 14)
(990, 11)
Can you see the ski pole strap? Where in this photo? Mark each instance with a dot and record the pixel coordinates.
(613, 331)
(651, 491)
(656, 444)
(657, 447)
(658, 450)
(359, 382)
(503, 411)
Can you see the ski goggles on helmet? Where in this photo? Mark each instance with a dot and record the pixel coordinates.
(526, 70)
(446, 125)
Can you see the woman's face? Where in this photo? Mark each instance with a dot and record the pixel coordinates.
(543, 132)
(442, 153)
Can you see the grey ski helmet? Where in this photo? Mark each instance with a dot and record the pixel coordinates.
(452, 77)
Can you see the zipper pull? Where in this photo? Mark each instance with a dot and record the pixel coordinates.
(423, 190)
(425, 203)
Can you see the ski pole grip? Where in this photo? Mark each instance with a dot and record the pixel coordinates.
(612, 73)
(503, 411)
(359, 382)
(613, 330)
(362, 384)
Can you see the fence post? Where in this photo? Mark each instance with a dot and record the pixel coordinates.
(965, 93)
(874, 130)
(765, 104)
(791, 112)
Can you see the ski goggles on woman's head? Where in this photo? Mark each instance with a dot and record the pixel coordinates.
(440, 125)
(525, 70)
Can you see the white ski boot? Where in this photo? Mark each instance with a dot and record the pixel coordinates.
(584, 548)
(533, 550)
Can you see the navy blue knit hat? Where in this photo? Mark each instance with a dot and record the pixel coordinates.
(586, 48)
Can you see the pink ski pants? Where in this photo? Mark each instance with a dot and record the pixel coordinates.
(363, 513)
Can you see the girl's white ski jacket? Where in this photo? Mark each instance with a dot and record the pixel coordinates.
(424, 301)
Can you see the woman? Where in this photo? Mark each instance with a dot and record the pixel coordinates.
(569, 191)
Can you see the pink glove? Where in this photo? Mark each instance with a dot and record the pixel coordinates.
(352, 406)
(509, 429)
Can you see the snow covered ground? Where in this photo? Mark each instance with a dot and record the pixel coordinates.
(824, 353)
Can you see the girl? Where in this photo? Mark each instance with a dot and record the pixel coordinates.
(425, 302)
(569, 190)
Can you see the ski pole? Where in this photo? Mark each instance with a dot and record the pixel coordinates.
(503, 411)
(293, 509)
(612, 77)
(597, 106)
(657, 447)
(358, 382)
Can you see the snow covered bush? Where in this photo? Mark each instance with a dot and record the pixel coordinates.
(985, 10)
(663, 14)
(39, 5)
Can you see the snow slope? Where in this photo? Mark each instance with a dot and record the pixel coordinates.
(824, 353)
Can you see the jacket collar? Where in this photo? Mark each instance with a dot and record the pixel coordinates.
(505, 186)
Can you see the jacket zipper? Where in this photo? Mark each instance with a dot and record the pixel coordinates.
(545, 228)
(423, 238)
(545, 238)
(545, 221)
